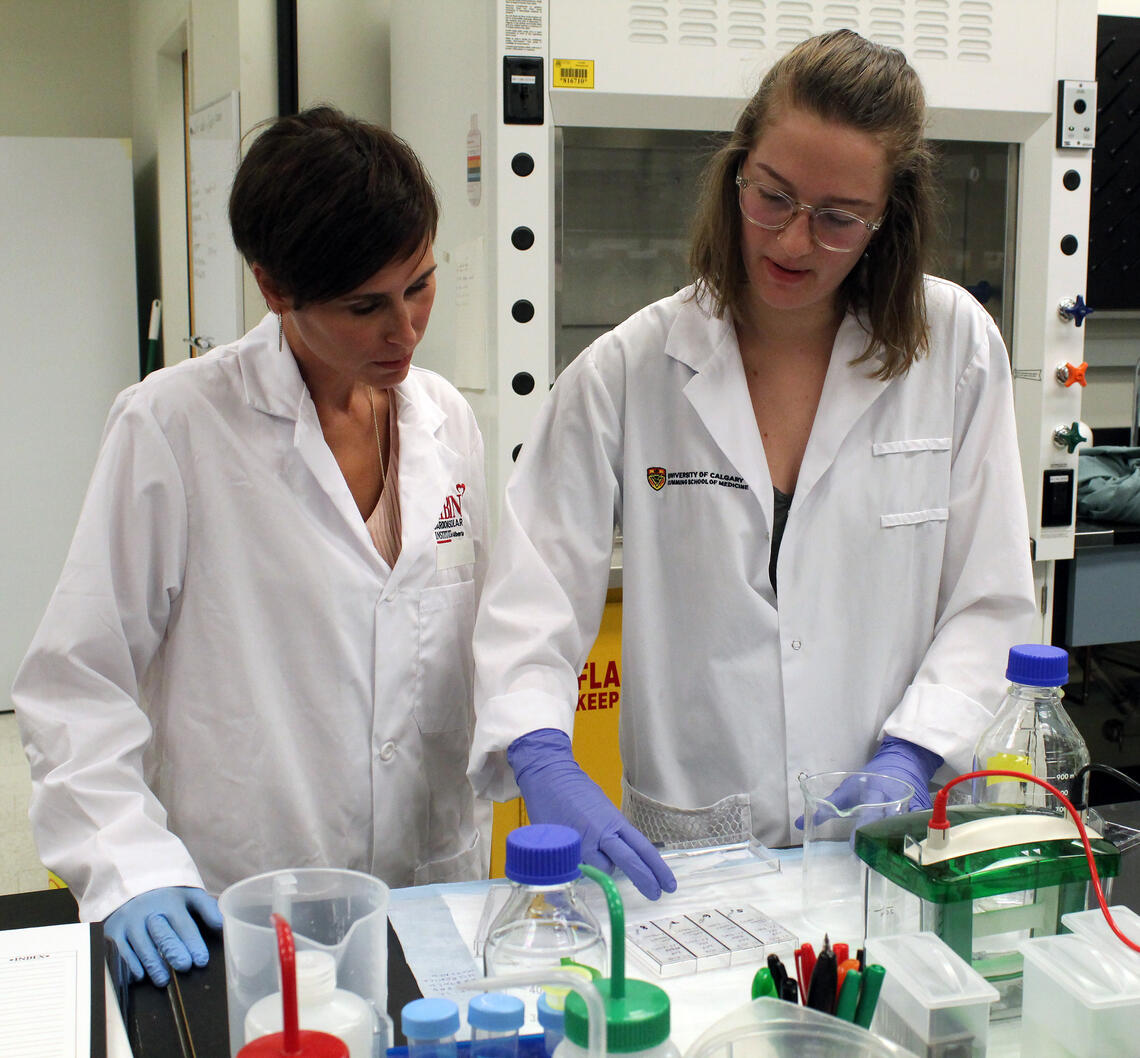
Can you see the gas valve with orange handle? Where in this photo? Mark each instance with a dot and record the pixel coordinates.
(1067, 374)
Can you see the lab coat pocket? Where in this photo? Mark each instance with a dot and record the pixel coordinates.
(932, 514)
(912, 480)
(464, 866)
(443, 699)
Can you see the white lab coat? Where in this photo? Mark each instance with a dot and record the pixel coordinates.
(229, 678)
(904, 572)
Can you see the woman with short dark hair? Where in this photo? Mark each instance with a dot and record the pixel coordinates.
(258, 654)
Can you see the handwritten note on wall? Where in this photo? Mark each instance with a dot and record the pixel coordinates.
(215, 262)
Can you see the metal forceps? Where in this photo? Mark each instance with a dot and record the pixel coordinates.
(178, 1009)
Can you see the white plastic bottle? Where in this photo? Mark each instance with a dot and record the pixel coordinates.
(637, 1026)
(1031, 733)
(544, 920)
(320, 1005)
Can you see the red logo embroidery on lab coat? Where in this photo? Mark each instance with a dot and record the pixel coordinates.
(452, 507)
(656, 478)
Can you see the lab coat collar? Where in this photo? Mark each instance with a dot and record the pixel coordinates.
(269, 373)
(273, 385)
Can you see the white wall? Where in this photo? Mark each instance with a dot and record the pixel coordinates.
(63, 68)
(342, 56)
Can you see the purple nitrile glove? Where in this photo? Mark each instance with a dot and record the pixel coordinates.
(556, 790)
(897, 759)
(155, 929)
(912, 763)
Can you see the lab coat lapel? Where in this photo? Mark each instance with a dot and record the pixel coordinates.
(848, 391)
(273, 385)
(429, 473)
(718, 392)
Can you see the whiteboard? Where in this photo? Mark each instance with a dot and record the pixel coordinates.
(216, 279)
(69, 342)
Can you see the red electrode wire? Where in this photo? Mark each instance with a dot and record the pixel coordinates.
(938, 821)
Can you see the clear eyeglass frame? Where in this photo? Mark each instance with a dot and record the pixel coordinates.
(794, 207)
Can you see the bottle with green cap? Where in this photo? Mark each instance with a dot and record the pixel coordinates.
(1031, 733)
(637, 1012)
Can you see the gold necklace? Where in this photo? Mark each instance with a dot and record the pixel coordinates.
(376, 427)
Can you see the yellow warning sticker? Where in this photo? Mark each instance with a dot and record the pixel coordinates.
(572, 73)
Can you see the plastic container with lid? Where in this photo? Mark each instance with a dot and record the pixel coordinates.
(544, 922)
(933, 1002)
(430, 1026)
(1031, 732)
(320, 1005)
(1092, 925)
(774, 1028)
(495, 1019)
(1078, 999)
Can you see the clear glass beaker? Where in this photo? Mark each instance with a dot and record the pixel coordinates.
(836, 803)
(344, 913)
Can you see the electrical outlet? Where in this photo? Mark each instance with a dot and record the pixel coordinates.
(1076, 114)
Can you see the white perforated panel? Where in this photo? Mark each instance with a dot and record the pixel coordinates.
(934, 29)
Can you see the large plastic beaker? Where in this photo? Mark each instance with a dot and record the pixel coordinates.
(343, 913)
(835, 804)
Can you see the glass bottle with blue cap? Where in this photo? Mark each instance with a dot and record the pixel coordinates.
(1031, 732)
(544, 922)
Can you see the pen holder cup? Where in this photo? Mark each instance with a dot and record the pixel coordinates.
(342, 913)
(773, 1028)
(836, 803)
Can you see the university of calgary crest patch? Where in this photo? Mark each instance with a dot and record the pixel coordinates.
(656, 478)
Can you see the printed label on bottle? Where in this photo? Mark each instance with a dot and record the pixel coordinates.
(1007, 762)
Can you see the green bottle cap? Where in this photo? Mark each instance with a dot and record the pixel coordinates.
(637, 1012)
(637, 1021)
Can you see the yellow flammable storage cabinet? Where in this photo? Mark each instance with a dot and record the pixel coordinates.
(595, 727)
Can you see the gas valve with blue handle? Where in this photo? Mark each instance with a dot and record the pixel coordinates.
(1074, 309)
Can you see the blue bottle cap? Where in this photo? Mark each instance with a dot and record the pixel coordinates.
(429, 1019)
(548, 1016)
(543, 854)
(1036, 665)
(495, 1012)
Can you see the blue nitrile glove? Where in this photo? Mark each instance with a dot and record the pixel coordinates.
(897, 759)
(556, 790)
(156, 928)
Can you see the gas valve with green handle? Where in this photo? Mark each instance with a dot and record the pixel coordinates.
(1069, 436)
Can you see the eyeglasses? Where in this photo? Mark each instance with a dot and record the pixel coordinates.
(834, 229)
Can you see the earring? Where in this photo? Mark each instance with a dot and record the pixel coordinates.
(280, 330)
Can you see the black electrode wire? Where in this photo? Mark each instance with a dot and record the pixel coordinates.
(1079, 789)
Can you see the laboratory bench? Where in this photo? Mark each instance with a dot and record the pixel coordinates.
(433, 935)
(149, 1022)
(1096, 590)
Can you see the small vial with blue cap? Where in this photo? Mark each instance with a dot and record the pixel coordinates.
(430, 1026)
(552, 1018)
(495, 1019)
